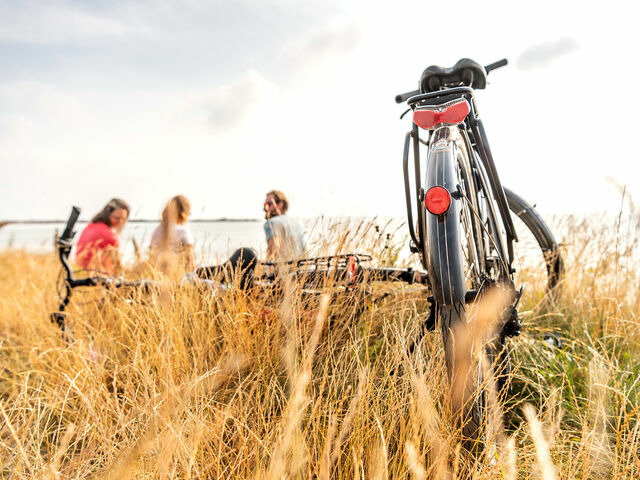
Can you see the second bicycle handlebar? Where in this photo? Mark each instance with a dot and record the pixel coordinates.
(494, 65)
(67, 235)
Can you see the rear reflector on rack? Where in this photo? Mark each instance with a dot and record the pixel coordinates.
(437, 200)
(450, 113)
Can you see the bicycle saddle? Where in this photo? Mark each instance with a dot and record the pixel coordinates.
(464, 72)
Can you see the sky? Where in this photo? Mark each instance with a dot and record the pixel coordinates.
(224, 100)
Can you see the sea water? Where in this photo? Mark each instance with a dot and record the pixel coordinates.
(214, 241)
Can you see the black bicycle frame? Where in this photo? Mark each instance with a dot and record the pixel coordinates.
(64, 245)
(476, 134)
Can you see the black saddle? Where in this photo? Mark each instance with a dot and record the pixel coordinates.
(464, 72)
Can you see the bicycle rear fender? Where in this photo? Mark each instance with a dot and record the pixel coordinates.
(443, 248)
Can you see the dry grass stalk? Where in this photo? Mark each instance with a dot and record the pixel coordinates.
(324, 472)
(469, 343)
(413, 461)
(510, 459)
(595, 435)
(14, 436)
(543, 456)
(438, 447)
(345, 427)
(54, 466)
(173, 405)
(377, 464)
(152, 350)
(279, 464)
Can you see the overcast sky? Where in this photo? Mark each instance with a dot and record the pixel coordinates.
(224, 100)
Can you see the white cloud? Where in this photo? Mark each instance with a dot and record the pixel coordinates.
(337, 38)
(230, 104)
(56, 25)
(35, 114)
(543, 54)
(68, 23)
(237, 97)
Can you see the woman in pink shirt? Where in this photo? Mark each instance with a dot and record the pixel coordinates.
(98, 246)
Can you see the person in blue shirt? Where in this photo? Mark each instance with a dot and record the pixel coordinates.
(284, 235)
(285, 242)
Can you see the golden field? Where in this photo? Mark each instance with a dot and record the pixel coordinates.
(180, 383)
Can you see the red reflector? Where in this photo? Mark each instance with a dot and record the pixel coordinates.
(451, 113)
(437, 200)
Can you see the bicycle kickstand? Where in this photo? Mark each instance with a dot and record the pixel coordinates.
(429, 325)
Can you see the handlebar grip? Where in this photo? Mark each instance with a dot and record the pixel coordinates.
(403, 97)
(498, 64)
(73, 218)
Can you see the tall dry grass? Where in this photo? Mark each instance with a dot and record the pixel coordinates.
(182, 383)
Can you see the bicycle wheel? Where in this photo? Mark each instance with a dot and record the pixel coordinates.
(465, 254)
(535, 227)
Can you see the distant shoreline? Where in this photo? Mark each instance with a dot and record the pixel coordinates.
(137, 220)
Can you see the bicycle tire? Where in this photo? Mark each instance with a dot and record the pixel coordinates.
(543, 235)
(451, 275)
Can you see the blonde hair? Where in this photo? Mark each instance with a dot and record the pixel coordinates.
(177, 210)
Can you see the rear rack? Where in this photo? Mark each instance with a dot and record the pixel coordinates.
(346, 269)
(337, 261)
(459, 91)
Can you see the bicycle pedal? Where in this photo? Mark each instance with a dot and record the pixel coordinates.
(470, 296)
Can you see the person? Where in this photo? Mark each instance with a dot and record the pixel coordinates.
(172, 238)
(285, 240)
(239, 267)
(98, 245)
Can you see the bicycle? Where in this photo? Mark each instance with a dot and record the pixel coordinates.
(343, 274)
(69, 281)
(464, 232)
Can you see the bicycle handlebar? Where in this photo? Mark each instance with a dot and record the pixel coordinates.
(494, 65)
(73, 218)
(403, 97)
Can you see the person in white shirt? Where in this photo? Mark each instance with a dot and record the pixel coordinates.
(285, 242)
(172, 240)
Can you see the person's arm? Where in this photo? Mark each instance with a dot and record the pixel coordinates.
(187, 250)
(106, 260)
(154, 243)
(189, 257)
(273, 247)
(273, 239)
(116, 259)
(112, 254)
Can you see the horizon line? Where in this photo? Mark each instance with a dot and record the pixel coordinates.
(137, 220)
